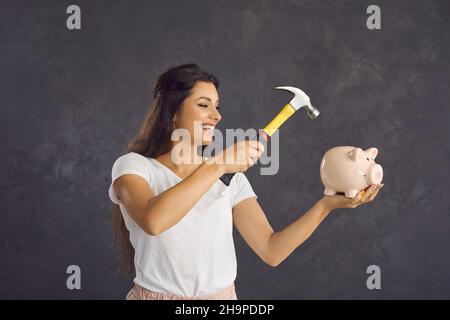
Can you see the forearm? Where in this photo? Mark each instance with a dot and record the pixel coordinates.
(282, 243)
(169, 207)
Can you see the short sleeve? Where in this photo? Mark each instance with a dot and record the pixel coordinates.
(241, 188)
(130, 163)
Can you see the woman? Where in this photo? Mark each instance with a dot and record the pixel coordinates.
(175, 218)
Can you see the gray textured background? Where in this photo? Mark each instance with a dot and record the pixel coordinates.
(71, 100)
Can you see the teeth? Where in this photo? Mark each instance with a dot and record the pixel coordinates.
(207, 126)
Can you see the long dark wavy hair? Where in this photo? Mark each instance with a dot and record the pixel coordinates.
(153, 137)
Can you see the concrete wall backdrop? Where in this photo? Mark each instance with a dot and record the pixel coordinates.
(71, 99)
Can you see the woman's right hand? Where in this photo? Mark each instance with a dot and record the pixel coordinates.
(239, 157)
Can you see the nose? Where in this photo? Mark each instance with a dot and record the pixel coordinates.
(215, 115)
(375, 174)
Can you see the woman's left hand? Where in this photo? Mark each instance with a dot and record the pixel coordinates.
(340, 201)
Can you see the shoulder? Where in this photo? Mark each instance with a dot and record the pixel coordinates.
(241, 188)
(132, 156)
(131, 162)
(239, 179)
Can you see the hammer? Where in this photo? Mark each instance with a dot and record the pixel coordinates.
(300, 100)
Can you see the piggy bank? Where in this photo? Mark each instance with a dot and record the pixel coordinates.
(349, 170)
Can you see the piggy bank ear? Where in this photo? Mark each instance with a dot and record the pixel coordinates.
(355, 154)
(373, 152)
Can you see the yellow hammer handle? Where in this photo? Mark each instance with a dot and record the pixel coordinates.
(281, 117)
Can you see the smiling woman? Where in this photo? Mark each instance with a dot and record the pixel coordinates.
(175, 218)
(199, 111)
(174, 221)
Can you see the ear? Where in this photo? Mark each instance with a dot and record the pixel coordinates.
(373, 152)
(355, 154)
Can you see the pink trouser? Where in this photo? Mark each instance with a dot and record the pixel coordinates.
(139, 293)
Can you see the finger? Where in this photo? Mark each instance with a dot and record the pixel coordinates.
(241, 157)
(254, 154)
(368, 192)
(357, 198)
(370, 199)
(250, 156)
(257, 145)
(253, 151)
(260, 147)
(247, 146)
(375, 194)
(254, 144)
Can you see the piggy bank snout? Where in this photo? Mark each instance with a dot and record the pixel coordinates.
(375, 174)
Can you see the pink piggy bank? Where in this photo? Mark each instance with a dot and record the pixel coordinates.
(349, 170)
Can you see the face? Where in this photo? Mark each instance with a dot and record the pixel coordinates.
(199, 113)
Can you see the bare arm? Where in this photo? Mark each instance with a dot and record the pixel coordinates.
(155, 214)
(273, 247)
(282, 243)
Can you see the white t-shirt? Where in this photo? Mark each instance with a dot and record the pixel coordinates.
(196, 256)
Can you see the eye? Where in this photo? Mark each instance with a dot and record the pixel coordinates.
(203, 105)
(367, 159)
(218, 107)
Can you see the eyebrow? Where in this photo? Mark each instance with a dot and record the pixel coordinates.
(207, 99)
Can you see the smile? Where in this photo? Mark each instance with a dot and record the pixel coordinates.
(207, 127)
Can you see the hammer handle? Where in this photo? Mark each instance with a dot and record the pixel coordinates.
(226, 178)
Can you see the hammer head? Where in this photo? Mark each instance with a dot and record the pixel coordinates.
(301, 100)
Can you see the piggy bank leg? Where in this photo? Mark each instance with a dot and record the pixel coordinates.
(329, 192)
(351, 193)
